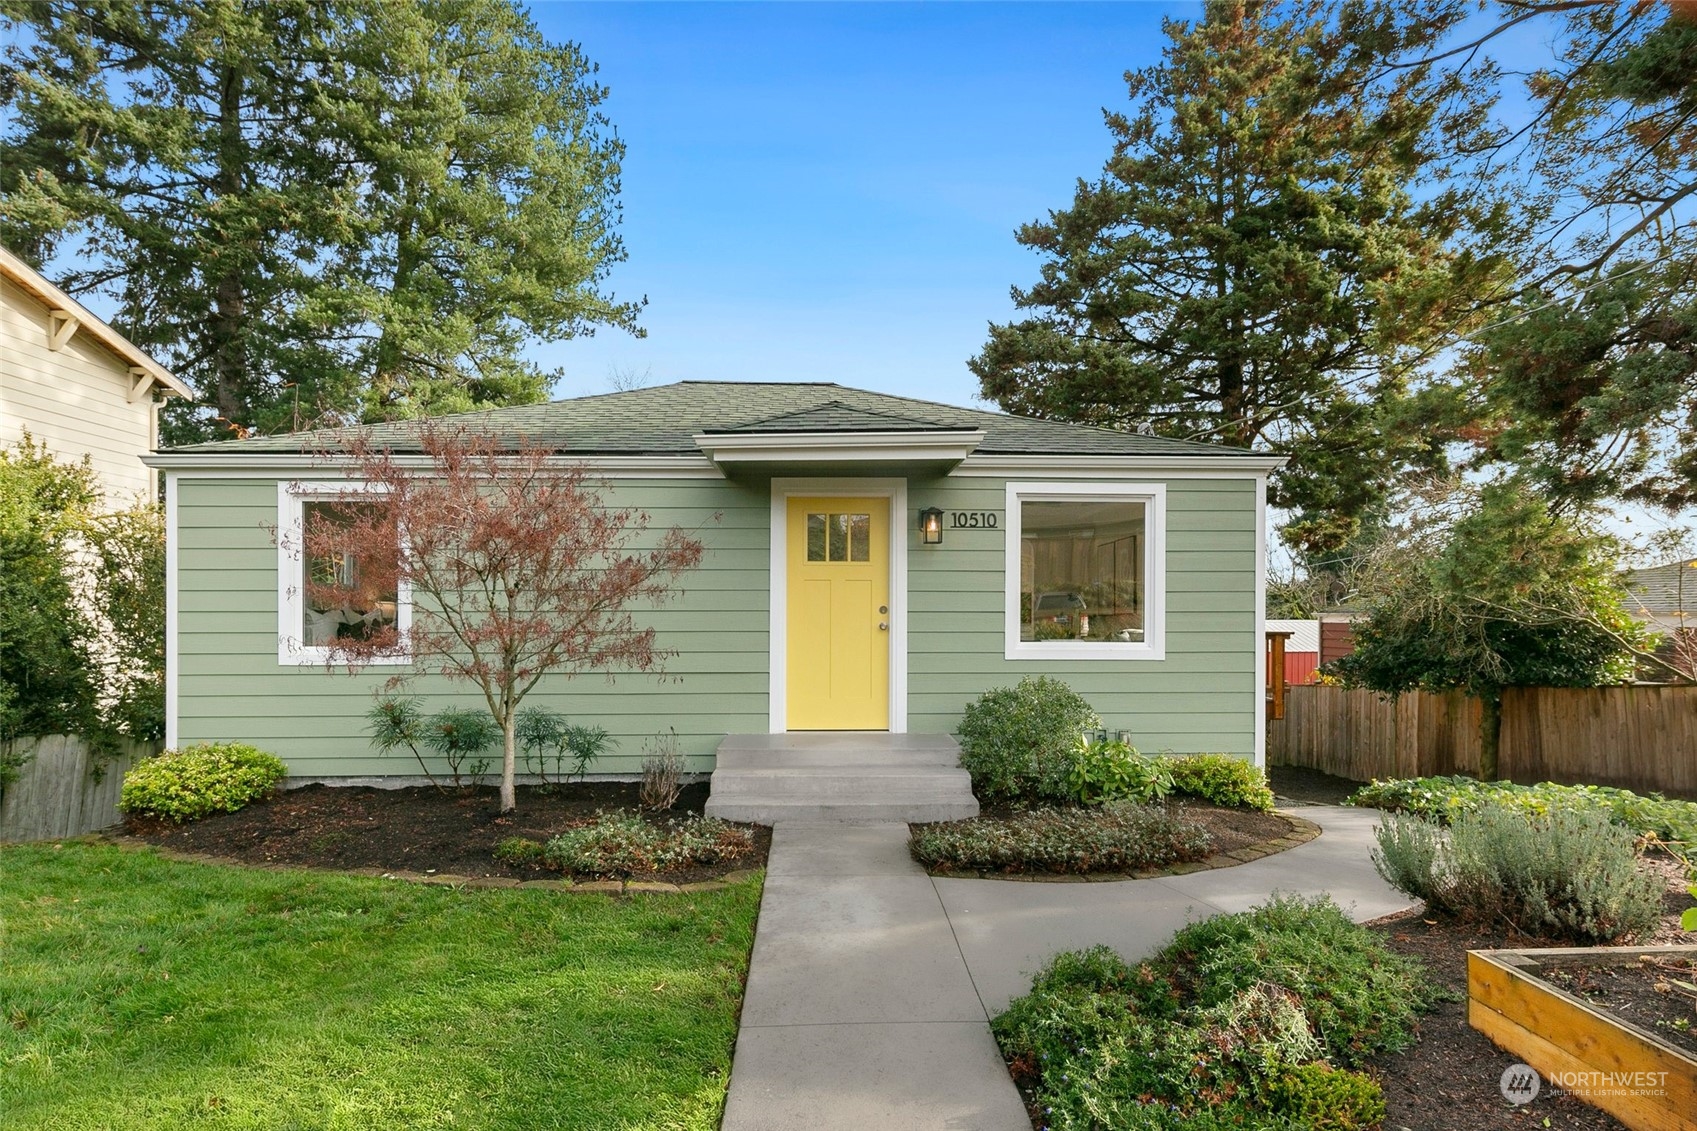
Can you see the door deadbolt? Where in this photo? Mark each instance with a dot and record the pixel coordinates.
(882, 609)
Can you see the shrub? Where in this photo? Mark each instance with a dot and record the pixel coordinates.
(1330, 1099)
(1112, 771)
(1563, 874)
(622, 844)
(1361, 998)
(459, 733)
(662, 772)
(1120, 836)
(544, 735)
(1019, 741)
(1222, 780)
(1443, 798)
(520, 851)
(1235, 1025)
(185, 785)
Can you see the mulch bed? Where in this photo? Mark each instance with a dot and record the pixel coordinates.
(1298, 783)
(419, 829)
(1451, 1079)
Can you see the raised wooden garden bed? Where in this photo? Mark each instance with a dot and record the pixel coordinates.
(1629, 1072)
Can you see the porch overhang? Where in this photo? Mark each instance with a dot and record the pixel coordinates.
(928, 451)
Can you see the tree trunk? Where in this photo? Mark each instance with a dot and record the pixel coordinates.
(229, 291)
(509, 791)
(1490, 729)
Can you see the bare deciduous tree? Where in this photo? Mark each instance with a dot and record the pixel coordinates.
(516, 566)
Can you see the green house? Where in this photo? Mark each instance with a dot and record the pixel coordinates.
(877, 563)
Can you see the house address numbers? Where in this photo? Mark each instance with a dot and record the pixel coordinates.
(973, 520)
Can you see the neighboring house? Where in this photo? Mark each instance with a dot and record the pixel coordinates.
(877, 563)
(1665, 598)
(1302, 649)
(76, 385)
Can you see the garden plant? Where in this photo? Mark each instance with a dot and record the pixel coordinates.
(185, 785)
(1261, 1020)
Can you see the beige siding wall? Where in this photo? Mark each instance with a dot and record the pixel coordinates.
(73, 399)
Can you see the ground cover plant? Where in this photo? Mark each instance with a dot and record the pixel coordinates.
(1563, 874)
(214, 777)
(1116, 837)
(1442, 798)
(1255, 1020)
(625, 844)
(153, 995)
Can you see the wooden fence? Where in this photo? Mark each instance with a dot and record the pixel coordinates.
(1642, 738)
(62, 790)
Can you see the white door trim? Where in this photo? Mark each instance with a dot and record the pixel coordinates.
(894, 490)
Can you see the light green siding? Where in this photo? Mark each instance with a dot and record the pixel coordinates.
(1202, 697)
(230, 685)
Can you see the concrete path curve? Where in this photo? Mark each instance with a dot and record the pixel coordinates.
(872, 984)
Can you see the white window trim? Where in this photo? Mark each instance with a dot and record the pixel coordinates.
(1153, 496)
(291, 595)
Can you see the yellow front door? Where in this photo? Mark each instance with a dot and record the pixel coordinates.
(839, 614)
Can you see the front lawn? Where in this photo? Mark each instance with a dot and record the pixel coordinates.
(137, 992)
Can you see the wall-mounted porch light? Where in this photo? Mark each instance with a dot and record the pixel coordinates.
(931, 526)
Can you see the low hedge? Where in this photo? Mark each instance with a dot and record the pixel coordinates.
(1442, 798)
(186, 785)
(1117, 837)
(1221, 779)
(1258, 1020)
(624, 844)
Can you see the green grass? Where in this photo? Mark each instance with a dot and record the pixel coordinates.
(137, 992)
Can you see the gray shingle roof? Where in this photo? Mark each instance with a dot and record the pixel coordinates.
(1662, 589)
(665, 419)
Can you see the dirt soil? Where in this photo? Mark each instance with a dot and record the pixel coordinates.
(1645, 994)
(419, 829)
(1232, 829)
(1312, 787)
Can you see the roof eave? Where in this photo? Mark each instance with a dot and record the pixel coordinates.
(141, 365)
(949, 446)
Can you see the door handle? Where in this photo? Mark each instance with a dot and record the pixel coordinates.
(883, 627)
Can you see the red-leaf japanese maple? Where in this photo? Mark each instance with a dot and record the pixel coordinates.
(517, 567)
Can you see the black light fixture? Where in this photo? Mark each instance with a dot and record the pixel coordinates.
(931, 526)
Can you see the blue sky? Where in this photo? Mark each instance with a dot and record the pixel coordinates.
(830, 191)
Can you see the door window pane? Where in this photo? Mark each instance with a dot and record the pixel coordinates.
(1082, 571)
(815, 537)
(839, 537)
(860, 537)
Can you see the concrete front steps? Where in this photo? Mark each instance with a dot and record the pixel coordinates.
(840, 775)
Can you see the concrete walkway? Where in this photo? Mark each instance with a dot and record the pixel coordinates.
(871, 984)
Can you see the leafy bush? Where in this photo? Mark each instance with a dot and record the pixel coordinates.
(458, 733)
(1222, 780)
(1113, 771)
(1330, 1099)
(185, 785)
(545, 735)
(1563, 874)
(1120, 836)
(520, 851)
(1019, 741)
(1361, 998)
(622, 844)
(1235, 1023)
(1443, 798)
